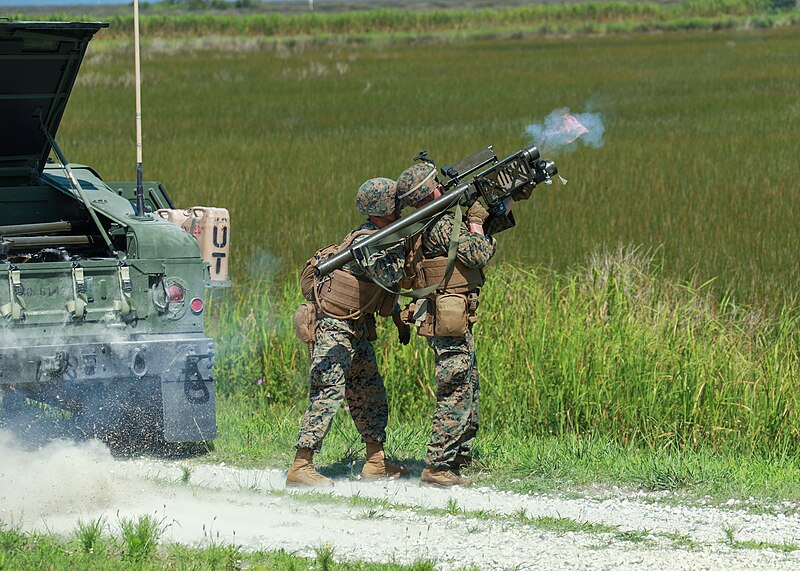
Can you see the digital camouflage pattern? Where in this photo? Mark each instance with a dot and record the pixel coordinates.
(343, 363)
(377, 197)
(343, 366)
(455, 419)
(384, 267)
(416, 183)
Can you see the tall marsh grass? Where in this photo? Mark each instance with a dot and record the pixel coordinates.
(611, 349)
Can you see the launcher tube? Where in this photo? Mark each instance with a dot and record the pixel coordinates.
(429, 210)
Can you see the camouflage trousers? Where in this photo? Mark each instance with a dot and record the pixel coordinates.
(455, 420)
(343, 367)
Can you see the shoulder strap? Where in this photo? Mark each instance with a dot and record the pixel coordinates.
(452, 250)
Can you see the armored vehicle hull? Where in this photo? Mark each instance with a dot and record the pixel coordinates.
(102, 306)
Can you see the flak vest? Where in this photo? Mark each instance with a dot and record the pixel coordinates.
(340, 294)
(451, 308)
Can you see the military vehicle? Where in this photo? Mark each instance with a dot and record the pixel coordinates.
(102, 304)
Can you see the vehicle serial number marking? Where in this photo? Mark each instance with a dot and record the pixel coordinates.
(49, 291)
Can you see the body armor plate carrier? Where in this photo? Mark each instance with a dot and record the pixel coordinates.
(340, 294)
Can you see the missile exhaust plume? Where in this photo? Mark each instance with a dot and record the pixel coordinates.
(561, 130)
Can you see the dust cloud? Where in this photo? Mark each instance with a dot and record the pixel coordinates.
(60, 477)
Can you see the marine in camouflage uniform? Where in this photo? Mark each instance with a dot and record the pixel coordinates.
(343, 364)
(455, 419)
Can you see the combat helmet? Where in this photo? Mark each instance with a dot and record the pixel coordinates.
(416, 183)
(377, 197)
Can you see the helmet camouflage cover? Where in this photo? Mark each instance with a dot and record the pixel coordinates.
(416, 183)
(377, 197)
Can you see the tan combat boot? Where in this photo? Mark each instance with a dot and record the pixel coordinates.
(302, 472)
(442, 477)
(377, 466)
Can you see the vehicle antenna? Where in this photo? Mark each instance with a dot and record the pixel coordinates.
(138, 74)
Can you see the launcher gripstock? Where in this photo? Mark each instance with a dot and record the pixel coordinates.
(502, 180)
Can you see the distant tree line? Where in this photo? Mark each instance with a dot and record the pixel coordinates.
(210, 4)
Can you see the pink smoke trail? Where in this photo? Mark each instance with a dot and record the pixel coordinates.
(561, 130)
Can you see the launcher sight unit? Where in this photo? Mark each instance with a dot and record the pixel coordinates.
(504, 180)
(494, 181)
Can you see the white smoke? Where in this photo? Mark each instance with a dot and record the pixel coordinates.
(262, 265)
(561, 130)
(61, 477)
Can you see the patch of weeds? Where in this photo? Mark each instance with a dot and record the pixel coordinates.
(314, 497)
(228, 556)
(785, 547)
(680, 540)
(633, 535)
(562, 525)
(89, 534)
(186, 474)
(11, 539)
(373, 513)
(670, 476)
(357, 500)
(730, 534)
(217, 553)
(140, 537)
(248, 480)
(452, 507)
(324, 558)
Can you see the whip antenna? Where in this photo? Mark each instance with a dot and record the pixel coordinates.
(138, 74)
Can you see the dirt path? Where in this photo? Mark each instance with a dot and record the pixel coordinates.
(390, 521)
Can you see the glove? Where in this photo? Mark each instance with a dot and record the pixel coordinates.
(477, 214)
(403, 329)
(523, 193)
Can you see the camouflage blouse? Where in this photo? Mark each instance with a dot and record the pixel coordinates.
(384, 267)
(474, 250)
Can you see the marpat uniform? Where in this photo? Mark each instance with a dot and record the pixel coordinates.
(448, 325)
(343, 362)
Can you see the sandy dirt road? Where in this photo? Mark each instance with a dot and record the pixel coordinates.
(55, 486)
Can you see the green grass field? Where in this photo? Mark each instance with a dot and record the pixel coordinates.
(651, 301)
(641, 324)
(699, 161)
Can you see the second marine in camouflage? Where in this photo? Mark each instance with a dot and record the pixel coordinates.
(446, 317)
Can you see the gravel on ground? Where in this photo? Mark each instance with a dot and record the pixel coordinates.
(54, 487)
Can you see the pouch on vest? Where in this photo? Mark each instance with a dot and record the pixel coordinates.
(462, 278)
(344, 296)
(450, 319)
(419, 313)
(305, 322)
(309, 274)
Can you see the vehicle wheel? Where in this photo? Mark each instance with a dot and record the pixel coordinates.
(126, 417)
